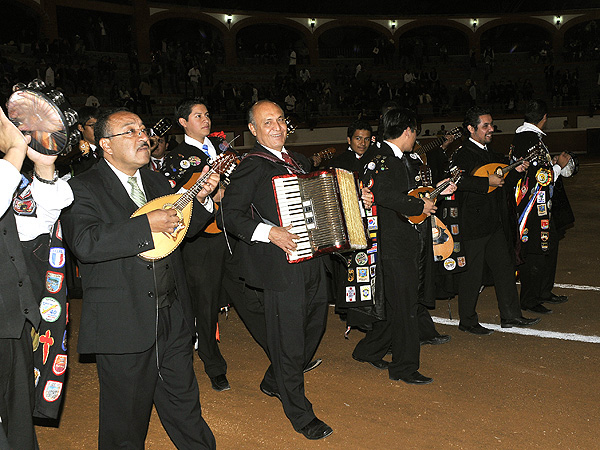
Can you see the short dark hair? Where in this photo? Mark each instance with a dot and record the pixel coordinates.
(85, 113)
(183, 109)
(101, 129)
(359, 125)
(390, 104)
(396, 120)
(535, 110)
(472, 116)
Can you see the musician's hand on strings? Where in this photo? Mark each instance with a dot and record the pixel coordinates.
(316, 159)
(495, 180)
(448, 139)
(429, 206)
(282, 238)
(367, 198)
(163, 220)
(450, 189)
(562, 160)
(523, 167)
(12, 142)
(209, 185)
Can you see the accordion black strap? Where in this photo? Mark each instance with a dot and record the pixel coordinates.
(270, 157)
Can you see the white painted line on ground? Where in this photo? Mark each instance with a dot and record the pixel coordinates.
(577, 287)
(528, 331)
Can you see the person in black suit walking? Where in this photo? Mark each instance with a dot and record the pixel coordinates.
(483, 219)
(290, 300)
(203, 254)
(136, 315)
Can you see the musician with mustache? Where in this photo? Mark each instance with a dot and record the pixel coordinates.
(484, 223)
(136, 316)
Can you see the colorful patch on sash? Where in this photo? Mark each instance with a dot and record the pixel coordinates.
(365, 293)
(57, 257)
(36, 376)
(542, 210)
(525, 238)
(449, 264)
(545, 224)
(372, 270)
(48, 341)
(60, 365)
(541, 197)
(372, 223)
(350, 294)
(54, 281)
(52, 390)
(543, 177)
(454, 229)
(185, 164)
(462, 261)
(544, 246)
(362, 274)
(372, 258)
(454, 212)
(350, 275)
(59, 230)
(545, 236)
(50, 309)
(361, 258)
(64, 342)
(194, 160)
(456, 247)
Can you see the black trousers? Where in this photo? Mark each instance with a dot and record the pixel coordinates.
(400, 330)
(17, 392)
(164, 376)
(204, 259)
(289, 330)
(537, 277)
(493, 251)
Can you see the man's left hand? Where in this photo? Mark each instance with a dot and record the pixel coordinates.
(523, 167)
(367, 198)
(209, 185)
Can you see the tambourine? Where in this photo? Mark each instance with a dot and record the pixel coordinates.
(45, 115)
(572, 167)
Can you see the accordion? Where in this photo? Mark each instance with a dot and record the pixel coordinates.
(324, 209)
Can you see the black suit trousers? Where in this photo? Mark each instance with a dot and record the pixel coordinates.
(537, 277)
(493, 251)
(131, 383)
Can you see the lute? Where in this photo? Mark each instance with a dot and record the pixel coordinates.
(433, 193)
(166, 243)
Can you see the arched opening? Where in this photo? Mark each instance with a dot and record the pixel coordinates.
(349, 42)
(517, 38)
(433, 41)
(582, 42)
(270, 44)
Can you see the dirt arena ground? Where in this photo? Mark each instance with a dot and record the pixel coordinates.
(516, 389)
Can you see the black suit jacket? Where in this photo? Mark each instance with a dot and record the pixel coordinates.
(481, 213)
(349, 161)
(261, 265)
(119, 303)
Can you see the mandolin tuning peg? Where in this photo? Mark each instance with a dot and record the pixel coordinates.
(36, 84)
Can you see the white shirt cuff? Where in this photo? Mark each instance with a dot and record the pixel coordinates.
(261, 233)
(556, 168)
(208, 204)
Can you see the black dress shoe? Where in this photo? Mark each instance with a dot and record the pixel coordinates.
(413, 378)
(519, 322)
(220, 383)
(436, 340)
(315, 429)
(555, 299)
(475, 329)
(380, 364)
(540, 309)
(313, 365)
(270, 392)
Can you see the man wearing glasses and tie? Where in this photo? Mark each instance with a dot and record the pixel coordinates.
(136, 315)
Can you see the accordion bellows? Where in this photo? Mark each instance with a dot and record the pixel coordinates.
(324, 209)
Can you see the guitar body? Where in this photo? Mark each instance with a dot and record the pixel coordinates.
(420, 193)
(165, 243)
(488, 169)
(443, 244)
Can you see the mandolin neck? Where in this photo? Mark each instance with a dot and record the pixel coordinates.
(187, 197)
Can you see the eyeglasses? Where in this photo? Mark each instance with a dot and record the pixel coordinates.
(149, 132)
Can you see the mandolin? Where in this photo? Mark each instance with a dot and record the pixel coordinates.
(443, 243)
(166, 243)
(502, 170)
(432, 193)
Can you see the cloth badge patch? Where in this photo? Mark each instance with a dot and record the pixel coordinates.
(350, 275)
(54, 281)
(361, 258)
(462, 261)
(545, 236)
(185, 164)
(449, 264)
(50, 309)
(350, 294)
(57, 257)
(365, 293)
(52, 391)
(542, 211)
(541, 197)
(372, 223)
(373, 248)
(58, 230)
(445, 213)
(363, 274)
(454, 212)
(456, 247)
(525, 238)
(36, 375)
(64, 342)
(194, 160)
(372, 270)
(48, 341)
(544, 246)
(454, 229)
(545, 224)
(172, 183)
(372, 258)
(543, 177)
(60, 365)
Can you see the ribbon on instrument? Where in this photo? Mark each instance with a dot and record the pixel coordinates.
(527, 210)
(521, 190)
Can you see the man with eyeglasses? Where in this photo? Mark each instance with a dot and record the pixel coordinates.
(89, 153)
(136, 315)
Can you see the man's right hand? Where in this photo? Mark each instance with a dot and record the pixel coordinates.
(429, 207)
(495, 180)
(282, 238)
(563, 159)
(163, 220)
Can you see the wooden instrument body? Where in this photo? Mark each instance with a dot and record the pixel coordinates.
(166, 243)
(488, 169)
(422, 192)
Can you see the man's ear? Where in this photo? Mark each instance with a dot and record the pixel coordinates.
(105, 144)
(80, 127)
(470, 129)
(252, 129)
(182, 122)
